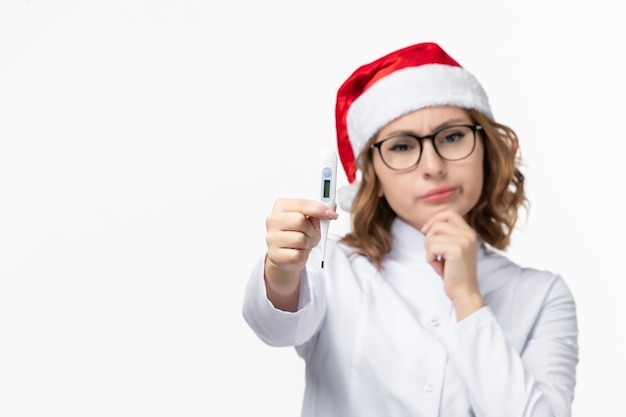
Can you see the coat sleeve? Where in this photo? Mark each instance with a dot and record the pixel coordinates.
(537, 381)
(280, 328)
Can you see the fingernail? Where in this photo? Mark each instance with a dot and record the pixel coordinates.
(331, 215)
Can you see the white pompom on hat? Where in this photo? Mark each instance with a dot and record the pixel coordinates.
(411, 78)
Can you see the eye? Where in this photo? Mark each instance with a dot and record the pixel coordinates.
(400, 144)
(452, 135)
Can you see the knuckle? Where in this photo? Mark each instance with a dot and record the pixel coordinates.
(294, 256)
(301, 241)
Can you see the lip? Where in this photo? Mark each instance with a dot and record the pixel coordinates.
(439, 193)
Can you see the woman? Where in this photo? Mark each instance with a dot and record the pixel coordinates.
(415, 312)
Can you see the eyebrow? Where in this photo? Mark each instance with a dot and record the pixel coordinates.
(450, 122)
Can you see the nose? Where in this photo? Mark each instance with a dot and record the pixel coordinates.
(431, 164)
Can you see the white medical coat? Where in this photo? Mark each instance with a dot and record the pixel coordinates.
(387, 343)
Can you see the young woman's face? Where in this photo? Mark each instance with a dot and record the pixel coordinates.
(434, 184)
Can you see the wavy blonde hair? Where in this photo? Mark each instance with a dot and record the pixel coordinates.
(493, 217)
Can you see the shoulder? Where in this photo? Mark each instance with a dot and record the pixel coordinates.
(497, 272)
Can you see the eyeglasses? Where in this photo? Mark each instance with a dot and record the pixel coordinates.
(451, 143)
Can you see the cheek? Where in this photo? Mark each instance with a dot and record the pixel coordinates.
(391, 183)
(381, 172)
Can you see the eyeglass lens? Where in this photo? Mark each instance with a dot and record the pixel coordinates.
(404, 151)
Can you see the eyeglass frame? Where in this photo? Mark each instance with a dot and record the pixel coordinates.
(474, 128)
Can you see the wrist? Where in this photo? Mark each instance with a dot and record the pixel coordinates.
(467, 304)
(281, 280)
(282, 287)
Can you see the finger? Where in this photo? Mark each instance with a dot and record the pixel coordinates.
(292, 240)
(289, 248)
(310, 208)
(439, 248)
(435, 256)
(454, 250)
(447, 224)
(445, 216)
(441, 228)
(282, 257)
(437, 266)
(292, 221)
(437, 218)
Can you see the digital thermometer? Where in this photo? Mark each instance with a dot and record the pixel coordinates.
(328, 188)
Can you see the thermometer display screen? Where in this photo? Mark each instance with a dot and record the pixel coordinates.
(326, 188)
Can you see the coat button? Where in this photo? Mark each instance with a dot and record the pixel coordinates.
(428, 388)
(434, 323)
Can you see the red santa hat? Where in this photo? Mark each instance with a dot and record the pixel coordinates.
(411, 78)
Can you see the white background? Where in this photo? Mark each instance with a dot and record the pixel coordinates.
(142, 144)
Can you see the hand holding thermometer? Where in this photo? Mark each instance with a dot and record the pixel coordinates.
(328, 189)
